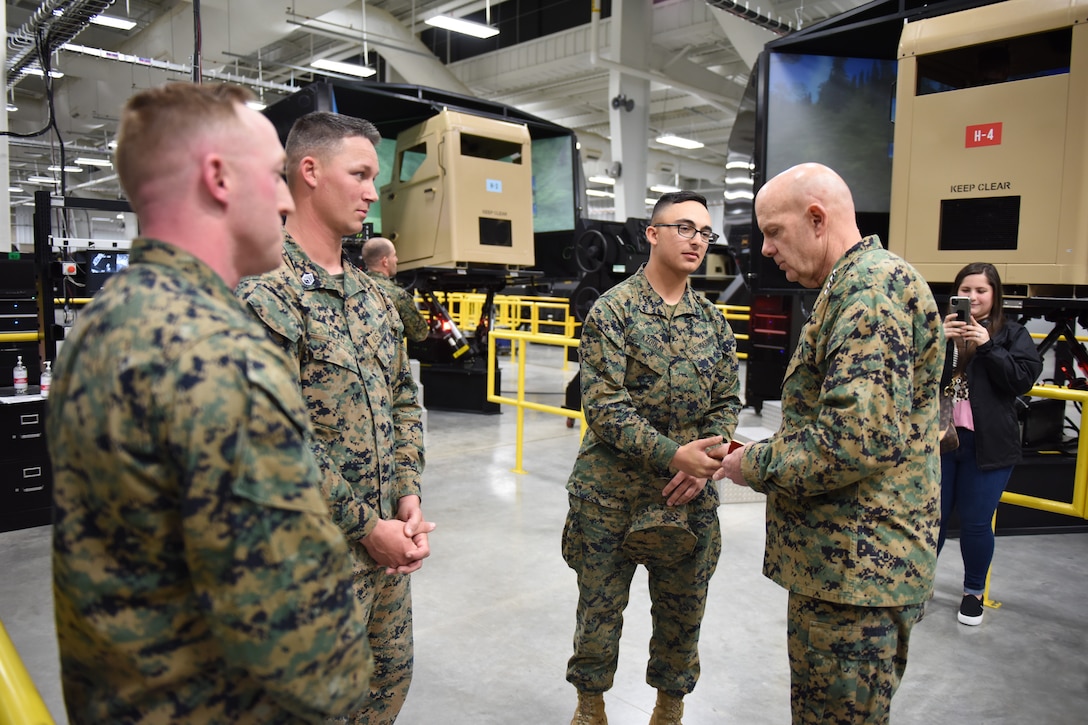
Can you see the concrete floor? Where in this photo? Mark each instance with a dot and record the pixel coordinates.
(494, 605)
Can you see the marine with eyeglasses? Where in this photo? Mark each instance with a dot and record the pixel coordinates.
(659, 387)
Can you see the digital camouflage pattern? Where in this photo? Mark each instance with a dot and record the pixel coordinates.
(652, 378)
(853, 473)
(846, 662)
(197, 575)
(415, 327)
(344, 337)
(592, 547)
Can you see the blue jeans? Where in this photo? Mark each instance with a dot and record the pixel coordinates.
(974, 495)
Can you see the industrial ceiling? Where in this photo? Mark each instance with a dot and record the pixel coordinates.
(547, 61)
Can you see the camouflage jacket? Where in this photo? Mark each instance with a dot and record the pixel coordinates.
(853, 473)
(652, 379)
(190, 531)
(344, 336)
(415, 327)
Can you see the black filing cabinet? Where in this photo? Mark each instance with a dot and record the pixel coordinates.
(26, 486)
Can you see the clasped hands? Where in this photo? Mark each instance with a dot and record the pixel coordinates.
(697, 461)
(401, 544)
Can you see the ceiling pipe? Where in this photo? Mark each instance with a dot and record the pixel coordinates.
(753, 16)
(77, 16)
(180, 68)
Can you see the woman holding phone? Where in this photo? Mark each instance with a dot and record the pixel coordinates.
(990, 361)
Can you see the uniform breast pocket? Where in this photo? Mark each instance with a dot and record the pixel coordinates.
(326, 373)
(647, 364)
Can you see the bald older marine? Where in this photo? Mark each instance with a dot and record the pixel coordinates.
(852, 476)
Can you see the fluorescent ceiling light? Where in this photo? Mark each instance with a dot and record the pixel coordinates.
(651, 202)
(679, 141)
(112, 22)
(85, 161)
(351, 69)
(664, 189)
(598, 192)
(606, 180)
(457, 25)
(38, 72)
(12, 108)
(15, 190)
(42, 180)
(69, 169)
(256, 105)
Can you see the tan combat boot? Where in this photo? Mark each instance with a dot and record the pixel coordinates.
(668, 710)
(590, 709)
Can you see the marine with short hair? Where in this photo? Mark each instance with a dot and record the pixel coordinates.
(197, 576)
(659, 380)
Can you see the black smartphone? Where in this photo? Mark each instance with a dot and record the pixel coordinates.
(962, 307)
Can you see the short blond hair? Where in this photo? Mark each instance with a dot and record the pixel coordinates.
(156, 121)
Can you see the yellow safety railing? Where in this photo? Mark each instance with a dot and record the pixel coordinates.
(1043, 336)
(515, 312)
(1078, 506)
(519, 339)
(20, 336)
(20, 701)
(737, 313)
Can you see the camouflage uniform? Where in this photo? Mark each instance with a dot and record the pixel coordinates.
(653, 378)
(197, 576)
(852, 478)
(345, 338)
(415, 327)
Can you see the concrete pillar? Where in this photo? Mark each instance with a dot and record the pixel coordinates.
(630, 41)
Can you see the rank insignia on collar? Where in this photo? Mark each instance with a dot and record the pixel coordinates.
(308, 279)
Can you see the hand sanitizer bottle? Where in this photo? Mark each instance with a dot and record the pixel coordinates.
(47, 378)
(20, 377)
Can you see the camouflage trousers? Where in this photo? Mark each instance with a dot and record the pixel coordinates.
(387, 599)
(592, 538)
(846, 661)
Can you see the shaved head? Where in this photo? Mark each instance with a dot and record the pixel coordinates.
(806, 214)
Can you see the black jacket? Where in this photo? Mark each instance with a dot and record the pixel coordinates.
(1001, 370)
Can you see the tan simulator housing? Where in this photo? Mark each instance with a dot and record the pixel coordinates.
(991, 150)
(461, 194)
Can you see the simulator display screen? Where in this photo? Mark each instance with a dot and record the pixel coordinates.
(835, 111)
(108, 262)
(387, 152)
(553, 184)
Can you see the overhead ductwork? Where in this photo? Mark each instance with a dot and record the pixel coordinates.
(752, 15)
(55, 22)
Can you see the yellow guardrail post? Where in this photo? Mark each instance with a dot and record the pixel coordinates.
(20, 701)
(986, 601)
(1079, 505)
(516, 336)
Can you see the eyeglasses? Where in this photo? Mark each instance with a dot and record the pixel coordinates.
(688, 232)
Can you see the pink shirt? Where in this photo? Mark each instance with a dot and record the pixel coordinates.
(962, 416)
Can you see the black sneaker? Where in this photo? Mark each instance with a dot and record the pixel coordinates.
(970, 611)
